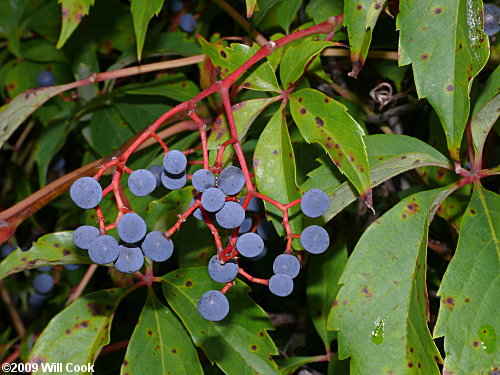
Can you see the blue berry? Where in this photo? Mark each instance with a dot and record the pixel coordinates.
(281, 285)
(141, 182)
(246, 225)
(213, 199)
(86, 192)
(314, 203)
(173, 182)
(130, 259)
(491, 19)
(131, 228)
(286, 264)
(174, 162)
(157, 170)
(197, 213)
(84, 235)
(222, 273)
(203, 179)
(43, 283)
(103, 250)
(156, 247)
(250, 245)
(260, 256)
(188, 23)
(176, 5)
(255, 204)
(230, 216)
(231, 180)
(45, 79)
(315, 239)
(6, 250)
(213, 306)
(266, 230)
(44, 268)
(36, 300)
(71, 267)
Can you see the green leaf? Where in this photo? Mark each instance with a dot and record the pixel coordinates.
(485, 112)
(250, 7)
(86, 321)
(447, 47)
(14, 113)
(468, 317)
(172, 43)
(327, 122)
(160, 344)
(140, 111)
(244, 114)
(177, 88)
(194, 251)
(227, 59)
(108, 131)
(287, 11)
(51, 249)
(72, 13)
(289, 365)
(274, 165)
(381, 309)
(238, 344)
(320, 10)
(142, 12)
(322, 287)
(296, 57)
(360, 17)
(161, 214)
(50, 142)
(388, 155)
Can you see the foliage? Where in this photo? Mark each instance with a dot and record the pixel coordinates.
(404, 123)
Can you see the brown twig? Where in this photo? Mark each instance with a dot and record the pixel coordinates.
(14, 315)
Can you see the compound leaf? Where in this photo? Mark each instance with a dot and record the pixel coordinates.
(381, 309)
(72, 13)
(322, 287)
(160, 344)
(274, 166)
(467, 317)
(325, 121)
(238, 344)
(142, 12)
(447, 48)
(49, 250)
(86, 321)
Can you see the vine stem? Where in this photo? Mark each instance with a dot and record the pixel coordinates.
(77, 292)
(14, 315)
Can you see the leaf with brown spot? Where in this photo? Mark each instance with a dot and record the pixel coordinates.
(376, 301)
(228, 342)
(339, 128)
(261, 78)
(160, 344)
(445, 66)
(72, 13)
(384, 155)
(360, 17)
(53, 345)
(51, 249)
(469, 288)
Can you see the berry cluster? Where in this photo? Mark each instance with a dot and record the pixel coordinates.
(216, 202)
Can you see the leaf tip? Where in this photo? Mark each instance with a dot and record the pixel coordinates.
(368, 199)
